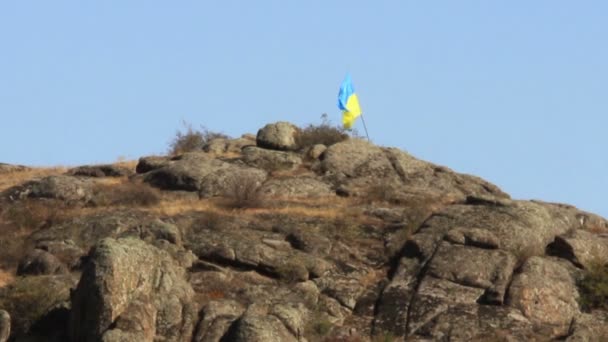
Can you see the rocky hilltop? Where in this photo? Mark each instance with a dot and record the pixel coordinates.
(273, 238)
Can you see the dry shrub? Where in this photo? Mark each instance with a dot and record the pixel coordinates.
(192, 139)
(28, 299)
(125, 194)
(20, 219)
(324, 133)
(593, 287)
(243, 190)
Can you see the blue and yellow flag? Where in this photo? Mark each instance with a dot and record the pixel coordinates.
(348, 103)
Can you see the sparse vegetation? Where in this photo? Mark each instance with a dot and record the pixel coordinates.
(126, 193)
(191, 139)
(324, 133)
(593, 287)
(243, 191)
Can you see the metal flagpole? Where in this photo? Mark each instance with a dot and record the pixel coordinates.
(365, 127)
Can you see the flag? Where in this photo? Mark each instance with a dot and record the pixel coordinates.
(348, 103)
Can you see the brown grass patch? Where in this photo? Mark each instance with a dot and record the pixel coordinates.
(124, 193)
(8, 180)
(6, 277)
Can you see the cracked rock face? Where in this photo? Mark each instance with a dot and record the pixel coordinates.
(131, 289)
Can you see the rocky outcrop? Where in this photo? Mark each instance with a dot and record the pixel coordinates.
(39, 262)
(270, 160)
(278, 136)
(5, 326)
(140, 293)
(150, 163)
(9, 168)
(199, 172)
(222, 146)
(357, 165)
(297, 187)
(67, 188)
(353, 242)
(107, 170)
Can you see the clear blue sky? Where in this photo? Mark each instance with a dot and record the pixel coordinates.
(512, 91)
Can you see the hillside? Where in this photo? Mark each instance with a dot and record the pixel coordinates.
(275, 237)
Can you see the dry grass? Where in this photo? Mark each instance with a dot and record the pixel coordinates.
(6, 277)
(11, 179)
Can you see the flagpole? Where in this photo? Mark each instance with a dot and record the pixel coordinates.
(365, 127)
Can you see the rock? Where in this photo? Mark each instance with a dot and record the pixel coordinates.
(10, 168)
(31, 300)
(481, 238)
(5, 326)
(86, 231)
(150, 163)
(108, 170)
(278, 136)
(355, 163)
(132, 282)
(221, 146)
(316, 151)
(66, 251)
(477, 263)
(67, 188)
(196, 171)
(270, 160)
(217, 316)
(582, 248)
(231, 182)
(40, 262)
(258, 326)
(546, 294)
(297, 187)
(589, 327)
(487, 269)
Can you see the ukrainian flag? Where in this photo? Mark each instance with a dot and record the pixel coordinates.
(348, 103)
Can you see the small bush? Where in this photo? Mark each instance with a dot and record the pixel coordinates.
(325, 134)
(126, 194)
(243, 190)
(192, 139)
(593, 287)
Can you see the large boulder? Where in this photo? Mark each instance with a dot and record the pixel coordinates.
(278, 136)
(221, 146)
(32, 300)
(5, 326)
(200, 172)
(149, 163)
(106, 170)
(357, 166)
(257, 325)
(270, 160)
(131, 290)
(297, 187)
(470, 255)
(38, 262)
(545, 292)
(67, 188)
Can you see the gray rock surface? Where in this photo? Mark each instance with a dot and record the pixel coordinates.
(198, 172)
(278, 136)
(270, 160)
(40, 262)
(140, 292)
(5, 326)
(297, 187)
(67, 188)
